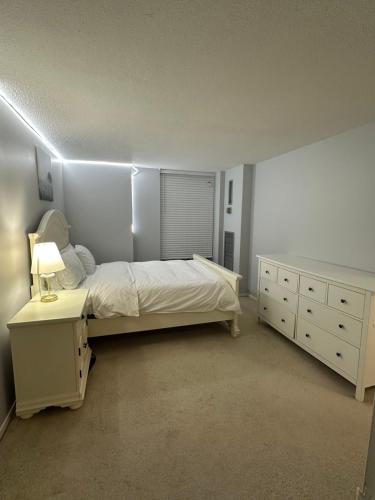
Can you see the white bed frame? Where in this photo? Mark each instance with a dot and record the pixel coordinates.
(53, 227)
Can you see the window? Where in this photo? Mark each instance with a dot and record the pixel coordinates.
(187, 214)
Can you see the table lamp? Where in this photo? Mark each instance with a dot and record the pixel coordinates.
(45, 263)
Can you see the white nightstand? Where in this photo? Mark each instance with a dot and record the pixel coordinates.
(51, 357)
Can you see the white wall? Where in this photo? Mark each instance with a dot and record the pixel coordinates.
(238, 221)
(319, 202)
(219, 218)
(146, 214)
(20, 213)
(98, 206)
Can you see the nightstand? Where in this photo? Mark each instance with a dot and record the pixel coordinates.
(50, 353)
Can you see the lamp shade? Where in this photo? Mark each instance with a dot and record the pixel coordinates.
(46, 258)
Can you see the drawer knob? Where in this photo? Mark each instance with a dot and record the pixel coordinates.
(266, 290)
(267, 271)
(341, 326)
(338, 354)
(311, 289)
(309, 311)
(343, 301)
(285, 299)
(286, 280)
(282, 320)
(307, 335)
(264, 308)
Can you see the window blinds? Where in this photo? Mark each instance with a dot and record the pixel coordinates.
(187, 215)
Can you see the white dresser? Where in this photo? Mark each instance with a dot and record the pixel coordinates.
(326, 309)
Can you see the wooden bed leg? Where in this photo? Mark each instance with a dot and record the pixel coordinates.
(234, 329)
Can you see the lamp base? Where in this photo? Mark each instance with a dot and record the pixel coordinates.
(50, 297)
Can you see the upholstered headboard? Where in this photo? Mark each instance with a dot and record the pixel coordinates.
(52, 227)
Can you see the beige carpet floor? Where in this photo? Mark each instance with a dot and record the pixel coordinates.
(191, 413)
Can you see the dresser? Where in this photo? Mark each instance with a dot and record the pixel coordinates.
(50, 353)
(326, 309)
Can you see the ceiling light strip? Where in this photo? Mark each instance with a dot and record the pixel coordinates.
(26, 121)
(98, 162)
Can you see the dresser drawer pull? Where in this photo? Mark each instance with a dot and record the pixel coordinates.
(266, 290)
(343, 301)
(285, 299)
(79, 351)
(264, 308)
(309, 311)
(311, 289)
(338, 354)
(286, 280)
(282, 320)
(267, 271)
(341, 326)
(307, 335)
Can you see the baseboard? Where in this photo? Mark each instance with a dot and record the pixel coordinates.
(252, 297)
(6, 421)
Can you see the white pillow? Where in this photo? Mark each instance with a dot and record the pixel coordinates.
(87, 258)
(74, 272)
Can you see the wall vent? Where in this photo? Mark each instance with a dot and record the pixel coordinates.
(228, 250)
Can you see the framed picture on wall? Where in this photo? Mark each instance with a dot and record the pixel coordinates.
(44, 171)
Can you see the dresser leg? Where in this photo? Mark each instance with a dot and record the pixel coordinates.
(360, 393)
(25, 416)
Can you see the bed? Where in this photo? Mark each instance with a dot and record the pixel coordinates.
(132, 297)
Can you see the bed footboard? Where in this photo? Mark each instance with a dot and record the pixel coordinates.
(234, 281)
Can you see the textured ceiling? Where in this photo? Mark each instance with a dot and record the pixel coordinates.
(186, 83)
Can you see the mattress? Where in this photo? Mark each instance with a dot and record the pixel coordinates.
(134, 288)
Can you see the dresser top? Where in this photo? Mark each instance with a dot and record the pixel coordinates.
(68, 307)
(333, 272)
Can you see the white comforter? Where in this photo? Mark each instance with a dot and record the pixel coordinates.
(131, 289)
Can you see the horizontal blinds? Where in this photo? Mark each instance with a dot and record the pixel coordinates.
(187, 215)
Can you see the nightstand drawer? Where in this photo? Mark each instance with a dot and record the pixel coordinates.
(81, 336)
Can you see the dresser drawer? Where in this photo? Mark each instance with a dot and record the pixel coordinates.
(268, 271)
(312, 288)
(288, 279)
(280, 294)
(346, 300)
(343, 326)
(279, 316)
(341, 354)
